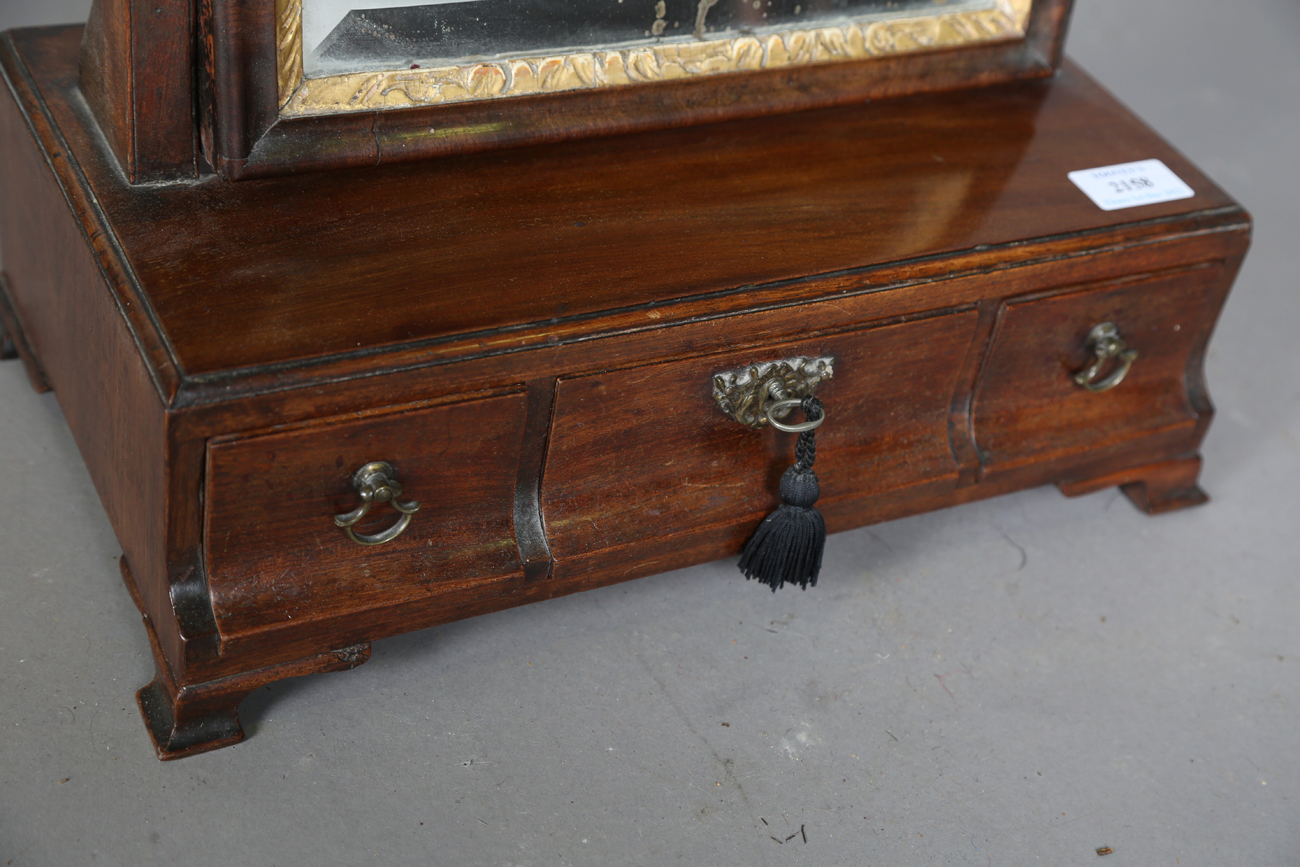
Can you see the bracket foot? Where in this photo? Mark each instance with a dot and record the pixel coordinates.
(1154, 488)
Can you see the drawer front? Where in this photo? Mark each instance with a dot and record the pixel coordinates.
(643, 455)
(274, 553)
(1028, 407)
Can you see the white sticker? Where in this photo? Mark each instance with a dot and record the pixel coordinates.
(1128, 185)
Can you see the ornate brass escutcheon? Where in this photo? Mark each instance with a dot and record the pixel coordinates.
(1106, 345)
(766, 392)
(377, 483)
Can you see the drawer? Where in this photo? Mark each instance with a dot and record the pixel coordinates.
(1027, 406)
(274, 554)
(643, 455)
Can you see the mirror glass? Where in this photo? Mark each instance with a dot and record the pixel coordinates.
(346, 36)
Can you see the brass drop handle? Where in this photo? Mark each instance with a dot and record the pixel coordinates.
(1106, 346)
(377, 483)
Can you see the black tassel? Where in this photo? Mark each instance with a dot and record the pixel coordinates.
(787, 547)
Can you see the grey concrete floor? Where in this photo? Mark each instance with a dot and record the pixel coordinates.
(1019, 681)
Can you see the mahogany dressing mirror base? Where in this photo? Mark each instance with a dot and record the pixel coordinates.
(322, 408)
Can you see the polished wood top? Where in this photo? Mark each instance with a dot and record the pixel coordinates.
(515, 248)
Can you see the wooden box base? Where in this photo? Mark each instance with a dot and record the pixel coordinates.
(530, 338)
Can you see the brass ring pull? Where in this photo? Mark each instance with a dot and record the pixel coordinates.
(377, 483)
(782, 408)
(1106, 344)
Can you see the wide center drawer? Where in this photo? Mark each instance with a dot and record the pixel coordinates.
(644, 456)
(274, 554)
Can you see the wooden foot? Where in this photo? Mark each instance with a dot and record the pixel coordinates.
(191, 720)
(184, 720)
(1154, 488)
(196, 718)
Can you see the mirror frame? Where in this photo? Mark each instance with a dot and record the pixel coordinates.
(257, 116)
(957, 25)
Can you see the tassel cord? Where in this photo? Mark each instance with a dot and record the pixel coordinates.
(805, 449)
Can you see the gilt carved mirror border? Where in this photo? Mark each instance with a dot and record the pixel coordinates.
(665, 50)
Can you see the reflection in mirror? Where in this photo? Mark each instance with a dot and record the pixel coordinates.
(343, 36)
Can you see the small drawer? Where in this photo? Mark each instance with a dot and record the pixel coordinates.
(1027, 405)
(645, 457)
(274, 554)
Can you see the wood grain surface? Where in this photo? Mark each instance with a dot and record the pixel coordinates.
(534, 333)
(274, 554)
(1029, 408)
(705, 221)
(680, 461)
